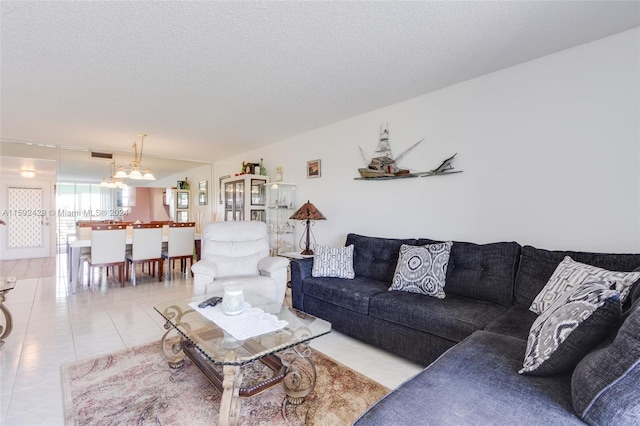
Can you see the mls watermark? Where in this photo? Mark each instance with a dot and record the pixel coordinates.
(63, 212)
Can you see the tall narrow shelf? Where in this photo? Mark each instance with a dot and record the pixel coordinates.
(244, 197)
(281, 204)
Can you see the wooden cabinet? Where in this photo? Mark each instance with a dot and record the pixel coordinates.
(244, 197)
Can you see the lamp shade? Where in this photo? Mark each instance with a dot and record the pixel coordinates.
(135, 175)
(148, 175)
(308, 212)
(121, 174)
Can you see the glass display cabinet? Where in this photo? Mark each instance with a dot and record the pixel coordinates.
(281, 204)
(244, 197)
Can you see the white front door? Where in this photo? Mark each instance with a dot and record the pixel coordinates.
(25, 209)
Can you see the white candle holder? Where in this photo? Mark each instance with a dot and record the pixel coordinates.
(233, 301)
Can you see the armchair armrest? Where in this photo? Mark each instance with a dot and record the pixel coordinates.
(272, 264)
(204, 272)
(276, 268)
(205, 267)
(300, 269)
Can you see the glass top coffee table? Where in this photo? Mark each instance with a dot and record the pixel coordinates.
(223, 359)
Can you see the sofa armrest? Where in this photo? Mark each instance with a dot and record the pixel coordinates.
(204, 272)
(300, 269)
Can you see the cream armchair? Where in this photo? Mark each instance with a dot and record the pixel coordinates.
(234, 251)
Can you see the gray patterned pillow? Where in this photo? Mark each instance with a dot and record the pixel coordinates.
(333, 262)
(570, 328)
(422, 269)
(604, 385)
(569, 274)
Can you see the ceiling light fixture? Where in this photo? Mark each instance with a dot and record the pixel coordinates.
(27, 173)
(113, 182)
(135, 173)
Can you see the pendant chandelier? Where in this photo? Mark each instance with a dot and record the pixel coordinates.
(136, 165)
(113, 181)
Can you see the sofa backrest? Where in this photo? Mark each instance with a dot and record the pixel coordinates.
(482, 271)
(374, 257)
(537, 266)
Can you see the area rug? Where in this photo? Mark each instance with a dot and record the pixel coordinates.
(137, 387)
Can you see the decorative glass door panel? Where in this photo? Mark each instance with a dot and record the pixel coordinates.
(258, 195)
(26, 212)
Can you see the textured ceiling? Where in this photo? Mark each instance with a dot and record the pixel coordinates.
(206, 80)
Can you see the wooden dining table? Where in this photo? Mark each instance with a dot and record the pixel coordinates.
(75, 246)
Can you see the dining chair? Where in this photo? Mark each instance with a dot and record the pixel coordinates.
(108, 248)
(83, 232)
(146, 247)
(180, 245)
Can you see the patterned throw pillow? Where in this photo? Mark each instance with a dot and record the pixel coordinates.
(570, 328)
(604, 385)
(569, 274)
(333, 262)
(422, 269)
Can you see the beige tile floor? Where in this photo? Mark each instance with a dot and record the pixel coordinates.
(53, 327)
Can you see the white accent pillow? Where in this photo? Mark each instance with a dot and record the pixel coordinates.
(422, 269)
(569, 274)
(333, 262)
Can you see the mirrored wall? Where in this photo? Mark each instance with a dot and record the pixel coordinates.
(78, 192)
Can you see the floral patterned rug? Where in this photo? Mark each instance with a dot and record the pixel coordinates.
(137, 387)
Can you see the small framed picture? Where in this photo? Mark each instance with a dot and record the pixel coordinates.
(313, 169)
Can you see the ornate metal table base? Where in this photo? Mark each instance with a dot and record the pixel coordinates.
(5, 287)
(300, 379)
(230, 401)
(238, 375)
(293, 368)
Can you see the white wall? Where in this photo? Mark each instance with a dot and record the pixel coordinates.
(550, 151)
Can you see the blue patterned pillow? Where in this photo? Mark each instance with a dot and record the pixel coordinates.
(333, 262)
(604, 385)
(422, 269)
(570, 328)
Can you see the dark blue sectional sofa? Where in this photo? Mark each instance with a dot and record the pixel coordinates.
(473, 341)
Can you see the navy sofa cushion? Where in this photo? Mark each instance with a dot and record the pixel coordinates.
(515, 322)
(350, 294)
(482, 271)
(374, 257)
(537, 266)
(454, 317)
(477, 383)
(604, 385)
